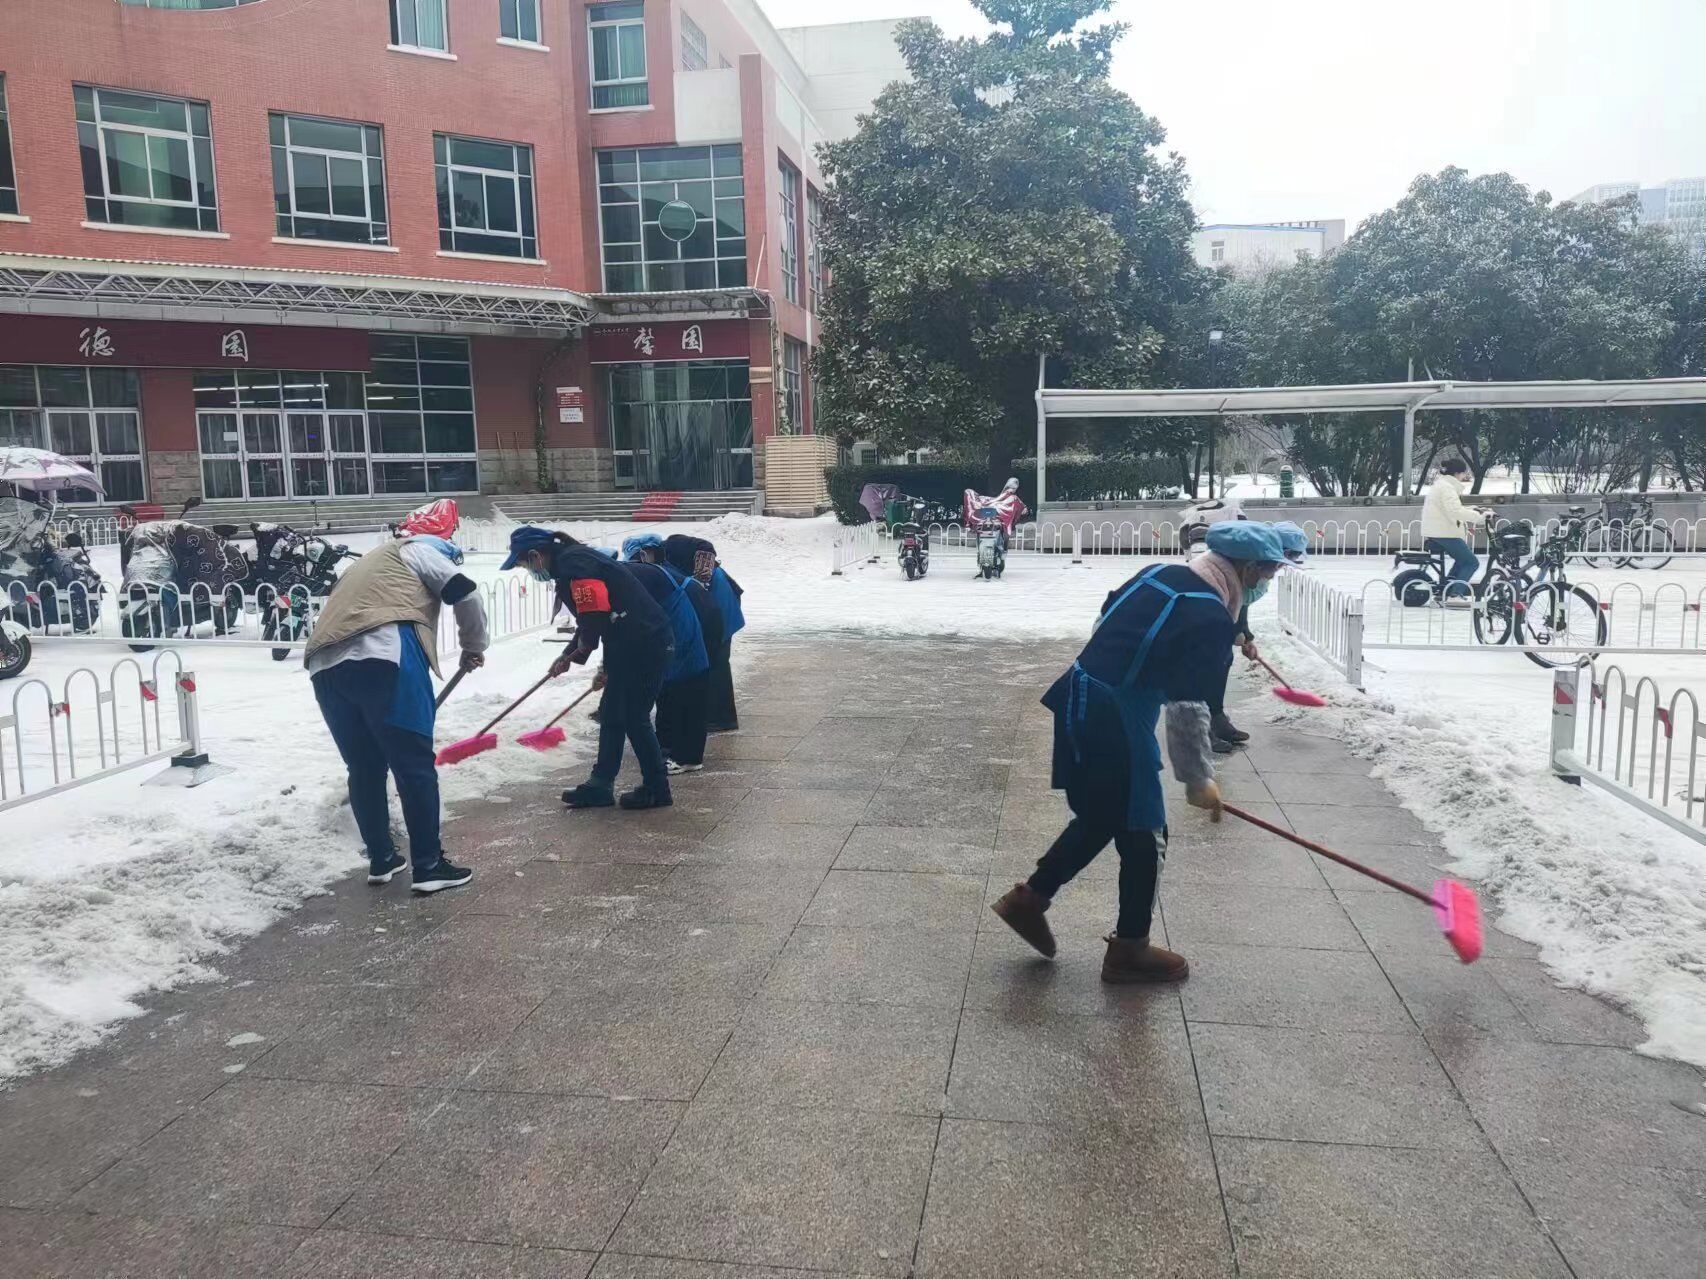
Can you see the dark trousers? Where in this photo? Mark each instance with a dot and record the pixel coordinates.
(1142, 853)
(720, 708)
(681, 718)
(625, 715)
(355, 698)
(1464, 561)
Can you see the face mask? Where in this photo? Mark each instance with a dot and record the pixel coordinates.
(539, 574)
(1254, 593)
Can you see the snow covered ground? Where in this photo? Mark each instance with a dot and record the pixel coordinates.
(118, 889)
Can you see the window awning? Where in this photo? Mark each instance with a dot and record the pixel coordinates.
(690, 304)
(124, 289)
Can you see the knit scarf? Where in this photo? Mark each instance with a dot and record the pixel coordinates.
(1221, 574)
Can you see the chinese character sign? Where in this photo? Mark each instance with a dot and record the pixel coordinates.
(96, 342)
(235, 346)
(693, 338)
(644, 343)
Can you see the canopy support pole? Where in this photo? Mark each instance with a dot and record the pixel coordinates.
(1042, 433)
(1408, 457)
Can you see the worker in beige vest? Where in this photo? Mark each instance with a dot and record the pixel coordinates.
(369, 656)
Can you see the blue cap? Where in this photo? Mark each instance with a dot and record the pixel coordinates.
(528, 537)
(631, 547)
(1293, 539)
(1246, 540)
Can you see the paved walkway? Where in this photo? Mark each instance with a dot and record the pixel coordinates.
(776, 1028)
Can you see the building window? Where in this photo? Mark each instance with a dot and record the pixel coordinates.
(672, 218)
(793, 386)
(818, 278)
(685, 425)
(90, 415)
(790, 241)
(8, 175)
(187, 4)
(519, 20)
(695, 49)
(485, 197)
(420, 24)
(618, 55)
(1217, 251)
(328, 180)
(147, 161)
(405, 427)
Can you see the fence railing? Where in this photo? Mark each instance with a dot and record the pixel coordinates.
(94, 530)
(1638, 745)
(234, 618)
(54, 742)
(1324, 619)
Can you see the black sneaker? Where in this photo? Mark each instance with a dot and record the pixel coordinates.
(440, 877)
(587, 795)
(380, 872)
(641, 797)
(1224, 729)
(1223, 747)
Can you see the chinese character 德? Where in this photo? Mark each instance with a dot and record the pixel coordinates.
(96, 342)
(235, 346)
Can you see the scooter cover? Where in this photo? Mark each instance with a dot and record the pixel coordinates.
(438, 519)
(1008, 508)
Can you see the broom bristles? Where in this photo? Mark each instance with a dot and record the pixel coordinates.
(1299, 697)
(456, 752)
(543, 739)
(1459, 915)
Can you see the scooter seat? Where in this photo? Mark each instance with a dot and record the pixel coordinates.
(1415, 557)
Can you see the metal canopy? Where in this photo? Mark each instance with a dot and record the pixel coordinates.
(690, 304)
(1371, 397)
(45, 285)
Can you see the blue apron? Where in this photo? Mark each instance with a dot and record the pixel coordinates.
(690, 656)
(1139, 708)
(728, 601)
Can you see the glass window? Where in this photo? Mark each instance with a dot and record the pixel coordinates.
(8, 175)
(420, 24)
(485, 197)
(328, 180)
(789, 255)
(695, 49)
(672, 218)
(817, 277)
(793, 385)
(656, 409)
(519, 20)
(90, 415)
(187, 4)
(618, 39)
(147, 160)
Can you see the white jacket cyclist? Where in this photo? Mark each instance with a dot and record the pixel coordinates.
(1443, 512)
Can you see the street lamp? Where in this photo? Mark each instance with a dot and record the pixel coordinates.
(1215, 338)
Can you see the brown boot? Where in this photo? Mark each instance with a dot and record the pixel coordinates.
(1132, 961)
(1026, 913)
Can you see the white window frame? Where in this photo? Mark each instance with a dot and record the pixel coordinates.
(1217, 251)
(794, 384)
(415, 10)
(519, 7)
(514, 175)
(595, 25)
(361, 157)
(187, 137)
(814, 249)
(16, 200)
(695, 46)
(95, 456)
(789, 180)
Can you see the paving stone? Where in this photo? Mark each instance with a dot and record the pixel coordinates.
(1413, 863)
(1351, 825)
(543, 1171)
(1614, 1222)
(872, 1057)
(1336, 1086)
(1265, 863)
(622, 1046)
(657, 960)
(1081, 915)
(1008, 976)
(848, 775)
(345, 1254)
(613, 1265)
(1016, 1201)
(1294, 752)
(1557, 1013)
(74, 1244)
(802, 807)
(693, 814)
(953, 810)
(1345, 789)
(1257, 915)
(1306, 989)
(915, 849)
(582, 843)
(1305, 1211)
(1070, 1070)
(213, 1025)
(1389, 922)
(872, 965)
(1583, 1103)
(869, 899)
(851, 739)
(338, 941)
(581, 891)
(59, 1130)
(515, 948)
(695, 895)
(1450, 998)
(266, 1151)
(771, 843)
(1189, 827)
(811, 1189)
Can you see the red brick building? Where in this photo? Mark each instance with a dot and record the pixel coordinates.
(292, 249)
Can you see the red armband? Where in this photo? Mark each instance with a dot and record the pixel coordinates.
(589, 595)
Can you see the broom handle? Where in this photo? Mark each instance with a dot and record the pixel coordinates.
(1267, 666)
(1328, 853)
(569, 708)
(449, 689)
(517, 702)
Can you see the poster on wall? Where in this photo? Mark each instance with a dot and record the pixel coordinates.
(571, 405)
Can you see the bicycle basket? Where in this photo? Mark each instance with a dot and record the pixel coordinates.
(1515, 544)
(1621, 513)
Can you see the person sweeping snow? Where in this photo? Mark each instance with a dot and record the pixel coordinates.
(616, 610)
(368, 657)
(696, 557)
(684, 700)
(1227, 736)
(1163, 639)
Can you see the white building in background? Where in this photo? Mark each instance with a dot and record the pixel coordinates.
(1679, 206)
(849, 64)
(1261, 246)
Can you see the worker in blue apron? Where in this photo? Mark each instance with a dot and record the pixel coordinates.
(1164, 639)
(1227, 736)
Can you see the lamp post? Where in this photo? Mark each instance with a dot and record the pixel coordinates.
(1215, 337)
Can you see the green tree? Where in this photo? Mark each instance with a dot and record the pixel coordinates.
(1004, 202)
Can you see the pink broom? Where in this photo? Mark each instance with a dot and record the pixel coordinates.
(1286, 693)
(543, 739)
(1454, 904)
(484, 740)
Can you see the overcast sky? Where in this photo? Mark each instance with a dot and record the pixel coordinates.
(1327, 108)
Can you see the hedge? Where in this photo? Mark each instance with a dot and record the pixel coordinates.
(1100, 480)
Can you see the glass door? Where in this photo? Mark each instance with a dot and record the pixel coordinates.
(263, 453)
(309, 475)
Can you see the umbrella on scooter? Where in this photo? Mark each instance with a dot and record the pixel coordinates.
(40, 471)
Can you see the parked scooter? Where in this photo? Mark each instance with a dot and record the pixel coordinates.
(45, 583)
(437, 519)
(290, 571)
(179, 578)
(914, 537)
(14, 648)
(1197, 518)
(993, 520)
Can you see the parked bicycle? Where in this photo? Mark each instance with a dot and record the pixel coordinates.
(1618, 536)
(1538, 607)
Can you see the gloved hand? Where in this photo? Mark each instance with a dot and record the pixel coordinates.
(598, 679)
(1249, 649)
(472, 661)
(1206, 796)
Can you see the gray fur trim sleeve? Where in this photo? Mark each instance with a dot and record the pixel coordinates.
(1187, 742)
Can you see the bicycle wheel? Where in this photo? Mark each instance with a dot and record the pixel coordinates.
(1650, 547)
(1495, 614)
(1598, 548)
(1557, 614)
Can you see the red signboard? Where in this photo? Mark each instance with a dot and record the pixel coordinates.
(669, 340)
(65, 339)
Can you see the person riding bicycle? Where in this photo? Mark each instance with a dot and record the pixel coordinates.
(1445, 530)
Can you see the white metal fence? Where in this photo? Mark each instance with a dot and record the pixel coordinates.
(1638, 745)
(94, 530)
(1324, 619)
(90, 729)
